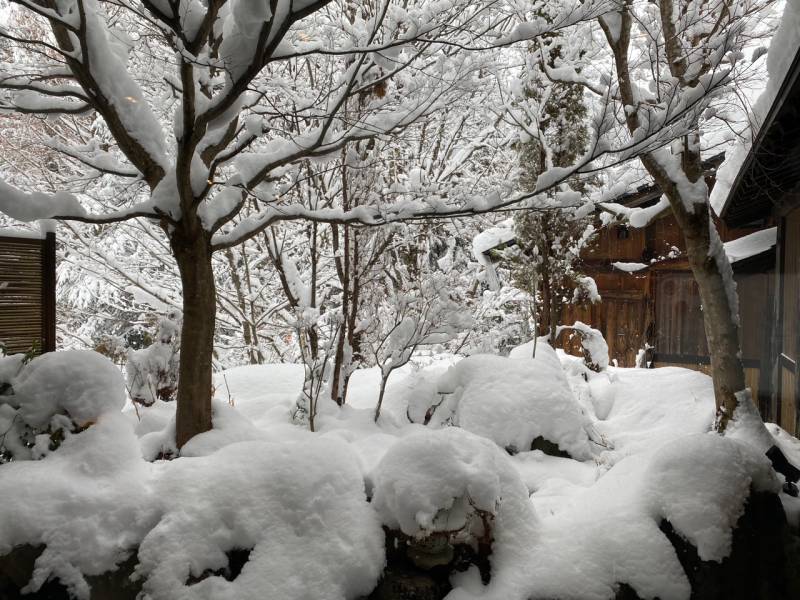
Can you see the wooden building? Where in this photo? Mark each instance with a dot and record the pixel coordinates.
(651, 302)
(27, 292)
(767, 190)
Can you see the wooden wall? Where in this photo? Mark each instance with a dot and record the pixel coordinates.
(660, 306)
(27, 293)
(624, 316)
(789, 340)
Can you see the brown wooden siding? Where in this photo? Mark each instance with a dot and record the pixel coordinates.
(679, 319)
(27, 294)
(789, 351)
(660, 306)
(622, 319)
(618, 242)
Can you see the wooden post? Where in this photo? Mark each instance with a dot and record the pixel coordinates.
(49, 293)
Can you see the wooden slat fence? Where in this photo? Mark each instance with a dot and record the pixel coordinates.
(27, 293)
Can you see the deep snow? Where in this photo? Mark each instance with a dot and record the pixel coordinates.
(563, 527)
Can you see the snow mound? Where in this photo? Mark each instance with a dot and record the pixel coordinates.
(264, 394)
(296, 505)
(293, 505)
(608, 533)
(86, 502)
(700, 485)
(646, 408)
(80, 383)
(438, 480)
(512, 402)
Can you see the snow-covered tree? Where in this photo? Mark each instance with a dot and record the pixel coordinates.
(680, 58)
(423, 315)
(205, 118)
(209, 111)
(552, 119)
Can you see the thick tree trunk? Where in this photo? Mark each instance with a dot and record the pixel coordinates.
(193, 254)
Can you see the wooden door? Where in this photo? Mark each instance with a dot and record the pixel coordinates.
(680, 336)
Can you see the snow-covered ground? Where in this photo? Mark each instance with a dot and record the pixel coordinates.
(311, 505)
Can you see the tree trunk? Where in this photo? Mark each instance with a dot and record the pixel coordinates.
(706, 257)
(246, 326)
(720, 309)
(719, 315)
(192, 252)
(380, 396)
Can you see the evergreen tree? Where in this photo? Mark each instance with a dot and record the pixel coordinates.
(546, 262)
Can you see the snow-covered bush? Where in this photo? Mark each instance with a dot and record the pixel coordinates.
(10, 366)
(53, 395)
(153, 371)
(80, 384)
(446, 482)
(410, 319)
(294, 505)
(296, 508)
(593, 345)
(83, 502)
(513, 402)
(609, 533)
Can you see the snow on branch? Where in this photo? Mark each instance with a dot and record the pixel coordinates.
(32, 206)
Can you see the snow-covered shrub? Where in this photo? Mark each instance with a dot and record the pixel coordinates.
(80, 384)
(419, 394)
(447, 482)
(609, 533)
(84, 503)
(16, 438)
(112, 346)
(53, 395)
(593, 345)
(153, 371)
(299, 507)
(10, 366)
(513, 402)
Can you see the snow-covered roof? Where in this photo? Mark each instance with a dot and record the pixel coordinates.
(751, 245)
(756, 172)
(739, 249)
(629, 267)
